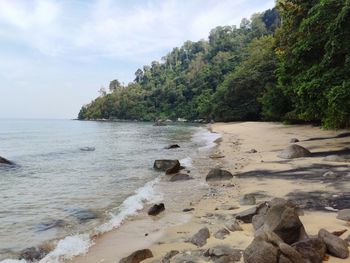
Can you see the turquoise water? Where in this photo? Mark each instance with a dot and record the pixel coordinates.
(56, 189)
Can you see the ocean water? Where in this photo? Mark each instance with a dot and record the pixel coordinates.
(73, 179)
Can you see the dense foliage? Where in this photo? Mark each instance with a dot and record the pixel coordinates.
(297, 70)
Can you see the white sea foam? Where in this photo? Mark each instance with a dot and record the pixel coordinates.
(13, 261)
(67, 248)
(132, 205)
(207, 138)
(187, 162)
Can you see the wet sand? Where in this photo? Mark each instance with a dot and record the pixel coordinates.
(261, 173)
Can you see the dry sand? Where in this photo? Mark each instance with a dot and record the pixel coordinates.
(262, 173)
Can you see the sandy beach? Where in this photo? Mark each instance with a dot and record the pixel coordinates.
(249, 151)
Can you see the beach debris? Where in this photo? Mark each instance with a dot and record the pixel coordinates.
(188, 209)
(294, 151)
(221, 233)
(234, 226)
(164, 165)
(294, 140)
(217, 174)
(247, 199)
(335, 245)
(200, 238)
(87, 149)
(344, 214)
(172, 146)
(180, 177)
(137, 256)
(156, 209)
(267, 247)
(169, 255)
(311, 249)
(5, 161)
(337, 158)
(223, 253)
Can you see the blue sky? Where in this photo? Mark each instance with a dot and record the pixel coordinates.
(56, 54)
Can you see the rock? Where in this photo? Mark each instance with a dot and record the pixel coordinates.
(247, 215)
(223, 253)
(229, 207)
(337, 158)
(258, 221)
(137, 256)
(174, 169)
(159, 123)
(294, 140)
(218, 175)
(221, 233)
(269, 248)
(83, 214)
(163, 165)
(339, 232)
(234, 226)
(347, 239)
(87, 149)
(335, 245)
(156, 209)
(169, 255)
(247, 199)
(312, 249)
(5, 161)
(216, 156)
(188, 209)
(284, 221)
(172, 146)
(200, 238)
(180, 177)
(330, 175)
(344, 215)
(252, 151)
(32, 254)
(51, 224)
(294, 151)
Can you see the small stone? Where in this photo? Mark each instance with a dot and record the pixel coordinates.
(172, 146)
(222, 233)
(156, 209)
(247, 199)
(188, 209)
(234, 226)
(169, 255)
(200, 238)
(294, 140)
(294, 151)
(218, 175)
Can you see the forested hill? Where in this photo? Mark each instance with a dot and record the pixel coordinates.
(294, 71)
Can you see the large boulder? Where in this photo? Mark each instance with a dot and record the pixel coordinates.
(218, 175)
(200, 238)
(344, 215)
(173, 169)
(294, 151)
(267, 247)
(5, 161)
(163, 165)
(335, 245)
(284, 221)
(137, 256)
(312, 249)
(156, 209)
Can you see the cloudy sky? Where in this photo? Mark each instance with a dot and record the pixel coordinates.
(56, 54)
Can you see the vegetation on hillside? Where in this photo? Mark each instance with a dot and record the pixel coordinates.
(295, 71)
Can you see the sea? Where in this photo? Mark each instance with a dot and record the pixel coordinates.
(75, 179)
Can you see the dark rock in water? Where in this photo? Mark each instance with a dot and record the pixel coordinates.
(200, 238)
(218, 175)
(188, 209)
(335, 245)
(137, 256)
(52, 224)
(221, 233)
(83, 214)
(284, 221)
(337, 158)
(174, 169)
(247, 199)
(169, 255)
(163, 165)
(172, 146)
(294, 140)
(312, 249)
(222, 253)
(33, 254)
(294, 151)
(5, 161)
(156, 209)
(344, 215)
(269, 248)
(87, 149)
(180, 177)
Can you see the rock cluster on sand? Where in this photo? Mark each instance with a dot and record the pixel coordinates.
(280, 237)
(218, 175)
(294, 151)
(5, 161)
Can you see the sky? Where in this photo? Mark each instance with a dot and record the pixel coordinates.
(56, 54)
